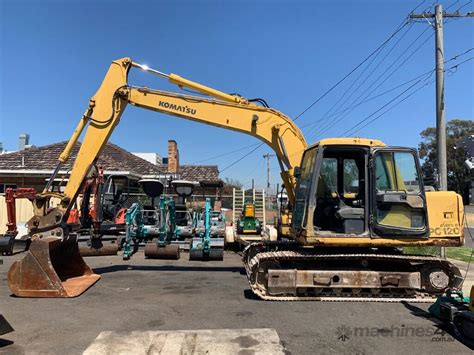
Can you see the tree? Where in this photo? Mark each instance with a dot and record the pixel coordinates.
(233, 183)
(458, 174)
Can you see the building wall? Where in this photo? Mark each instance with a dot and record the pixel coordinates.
(37, 182)
(24, 211)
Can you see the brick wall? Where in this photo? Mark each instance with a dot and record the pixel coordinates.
(173, 156)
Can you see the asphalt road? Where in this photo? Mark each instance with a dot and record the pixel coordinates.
(182, 295)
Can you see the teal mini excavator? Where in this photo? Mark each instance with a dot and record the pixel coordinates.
(158, 237)
(152, 226)
(204, 246)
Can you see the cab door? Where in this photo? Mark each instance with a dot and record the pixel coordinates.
(398, 202)
(305, 179)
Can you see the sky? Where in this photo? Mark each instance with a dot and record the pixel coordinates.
(54, 54)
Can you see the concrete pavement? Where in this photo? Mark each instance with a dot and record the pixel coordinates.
(144, 295)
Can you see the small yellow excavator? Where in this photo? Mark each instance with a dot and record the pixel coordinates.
(354, 202)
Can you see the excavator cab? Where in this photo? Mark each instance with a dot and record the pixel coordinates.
(361, 191)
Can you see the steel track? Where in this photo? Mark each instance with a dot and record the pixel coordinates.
(251, 267)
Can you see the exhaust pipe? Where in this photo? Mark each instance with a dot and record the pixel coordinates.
(52, 267)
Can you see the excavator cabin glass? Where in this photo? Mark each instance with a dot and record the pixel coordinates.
(361, 191)
(341, 201)
(399, 202)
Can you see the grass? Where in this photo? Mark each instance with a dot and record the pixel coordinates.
(435, 251)
(456, 253)
(460, 253)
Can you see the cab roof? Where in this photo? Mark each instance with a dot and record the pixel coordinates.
(367, 142)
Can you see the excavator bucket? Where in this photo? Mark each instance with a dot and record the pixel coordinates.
(169, 251)
(52, 267)
(214, 252)
(100, 247)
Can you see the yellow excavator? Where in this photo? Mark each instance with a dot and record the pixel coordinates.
(354, 202)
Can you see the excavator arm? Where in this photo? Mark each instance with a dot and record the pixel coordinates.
(221, 110)
(268, 125)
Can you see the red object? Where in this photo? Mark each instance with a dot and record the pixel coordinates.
(93, 213)
(10, 199)
(73, 217)
(120, 217)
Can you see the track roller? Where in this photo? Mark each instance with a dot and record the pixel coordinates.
(153, 251)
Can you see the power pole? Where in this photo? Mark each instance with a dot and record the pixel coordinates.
(268, 156)
(440, 108)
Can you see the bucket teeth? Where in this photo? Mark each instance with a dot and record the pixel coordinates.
(52, 267)
(5, 327)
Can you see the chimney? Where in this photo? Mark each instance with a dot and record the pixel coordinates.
(173, 156)
(1, 147)
(24, 141)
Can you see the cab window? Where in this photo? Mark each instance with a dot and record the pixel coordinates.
(351, 177)
(303, 187)
(396, 171)
(399, 203)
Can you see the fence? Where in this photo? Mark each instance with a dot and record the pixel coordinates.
(24, 211)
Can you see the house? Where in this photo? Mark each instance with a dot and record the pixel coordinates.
(32, 166)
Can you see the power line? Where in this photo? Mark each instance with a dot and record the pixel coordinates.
(393, 88)
(381, 108)
(379, 95)
(327, 125)
(400, 27)
(325, 116)
(370, 89)
(241, 158)
(399, 102)
(450, 6)
(370, 99)
(392, 107)
(463, 6)
(225, 154)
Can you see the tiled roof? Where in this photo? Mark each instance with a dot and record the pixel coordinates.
(199, 172)
(113, 158)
